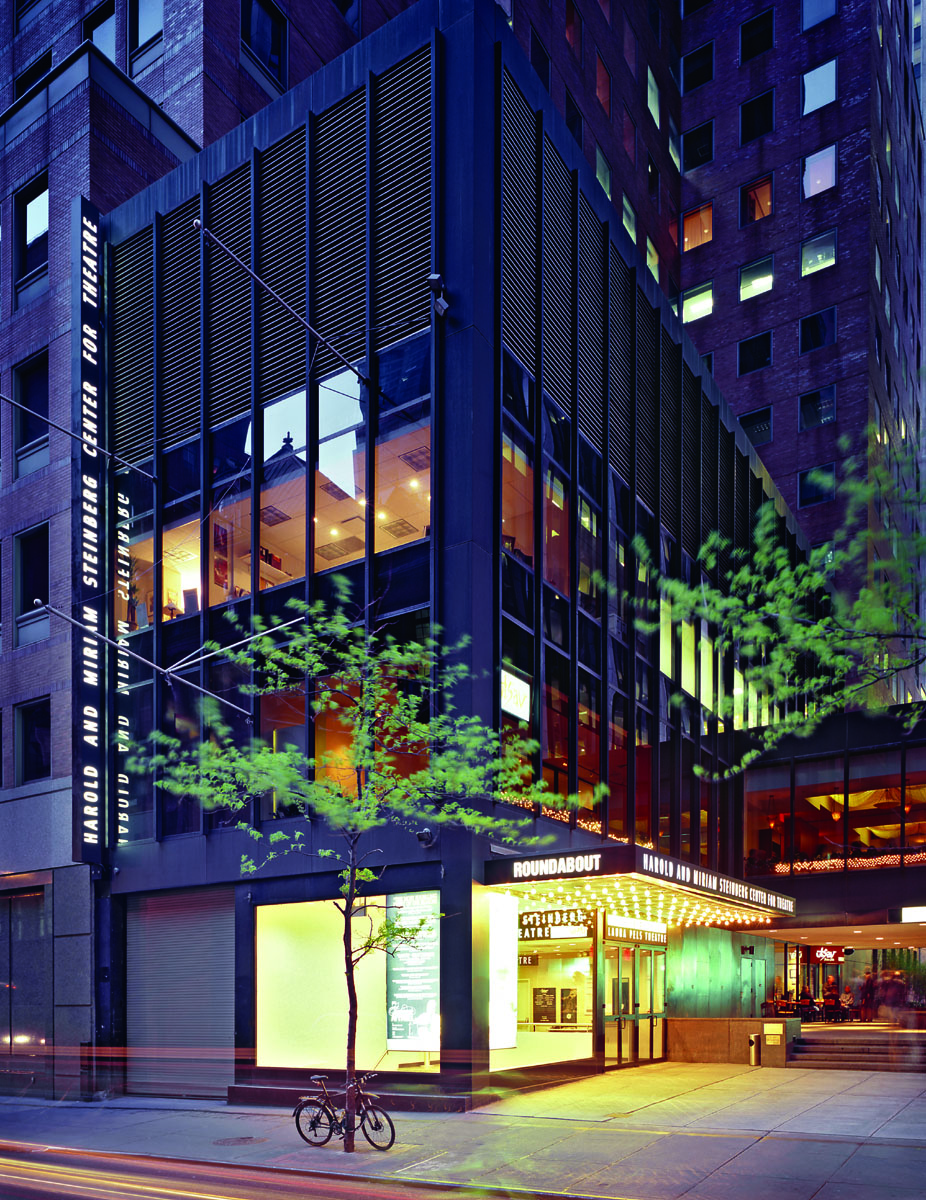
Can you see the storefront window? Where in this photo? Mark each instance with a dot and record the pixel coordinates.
(556, 530)
(875, 814)
(556, 717)
(589, 750)
(403, 476)
(768, 818)
(915, 806)
(26, 1015)
(517, 498)
(282, 727)
(818, 815)
(281, 520)
(181, 559)
(134, 791)
(340, 496)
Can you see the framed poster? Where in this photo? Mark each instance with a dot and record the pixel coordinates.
(568, 1006)
(545, 1006)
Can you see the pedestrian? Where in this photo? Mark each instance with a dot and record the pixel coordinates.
(884, 996)
(867, 995)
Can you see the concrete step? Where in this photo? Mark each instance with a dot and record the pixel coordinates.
(844, 1064)
(858, 1054)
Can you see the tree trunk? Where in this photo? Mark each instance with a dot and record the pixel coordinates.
(350, 1098)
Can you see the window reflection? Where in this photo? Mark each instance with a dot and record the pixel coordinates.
(617, 768)
(556, 530)
(230, 541)
(768, 818)
(340, 499)
(589, 554)
(281, 519)
(556, 723)
(589, 749)
(181, 559)
(517, 499)
(403, 476)
(875, 805)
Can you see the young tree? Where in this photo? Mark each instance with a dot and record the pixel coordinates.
(390, 747)
(814, 633)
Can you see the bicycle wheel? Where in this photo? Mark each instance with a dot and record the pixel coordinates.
(377, 1127)
(314, 1122)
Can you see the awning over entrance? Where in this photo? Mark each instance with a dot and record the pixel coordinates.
(638, 884)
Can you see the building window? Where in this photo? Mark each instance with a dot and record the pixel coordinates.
(675, 145)
(697, 302)
(630, 219)
(819, 173)
(32, 74)
(603, 172)
(31, 216)
(756, 277)
(754, 353)
(100, 28)
(819, 87)
(573, 118)
(815, 11)
(33, 740)
(30, 584)
(652, 259)
(817, 485)
(652, 181)
(697, 227)
(693, 6)
(819, 252)
(758, 425)
(817, 408)
(630, 48)
(146, 33)
(757, 35)
(878, 268)
(540, 60)
(350, 11)
(630, 138)
(698, 67)
(757, 117)
(605, 6)
(30, 384)
(263, 31)
(652, 95)
(756, 200)
(573, 29)
(603, 85)
(698, 146)
(818, 330)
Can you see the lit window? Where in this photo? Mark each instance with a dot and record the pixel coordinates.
(757, 35)
(756, 200)
(758, 425)
(697, 302)
(818, 407)
(652, 95)
(754, 353)
(815, 11)
(755, 278)
(603, 171)
(32, 230)
(263, 31)
(698, 146)
(817, 485)
(573, 28)
(757, 117)
(603, 86)
(819, 172)
(697, 227)
(698, 67)
(819, 252)
(819, 87)
(818, 330)
(652, 259)
(630, 219)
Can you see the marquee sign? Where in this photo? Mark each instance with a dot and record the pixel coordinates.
(89, 790)
(555, 923)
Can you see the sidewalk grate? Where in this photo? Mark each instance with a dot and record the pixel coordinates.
(239, 1141)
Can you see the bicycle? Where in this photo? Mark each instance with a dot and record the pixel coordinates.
(317, 1119)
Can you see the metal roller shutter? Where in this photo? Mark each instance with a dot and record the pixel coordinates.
(180, 995)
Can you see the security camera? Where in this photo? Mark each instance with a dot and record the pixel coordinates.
(436, 284)
(441, 306)
(426, 838)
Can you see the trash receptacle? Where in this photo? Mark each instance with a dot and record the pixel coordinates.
(755, 1049)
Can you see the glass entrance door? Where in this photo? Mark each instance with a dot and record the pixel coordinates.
(635, 988)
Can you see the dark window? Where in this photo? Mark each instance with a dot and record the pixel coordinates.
(693, 6)
(698, 67)
(630, 138)
(31, 584)
(573, 28)
(603, 85)
(652, 15)
(815, 11)
(757, 35)
(707, 362)
(818, 407)
(819, 329)
(540, 60)
(32, 229)
(100, 28)
(754, 353)
(31, 428)
(350, 11)
(757, 117)
(652, 180)
(32, 74)
(605, 6)
(146, 29)
(756, 200)
(817, 485)
(573, 118)
(758, 426)
(698, 146)
(33, 741)
(263, 31)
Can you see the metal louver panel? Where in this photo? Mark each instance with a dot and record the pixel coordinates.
(592, 322)
(520, 237)
(281, 263)
(339, 232)
(725, 475)
(691, 461)
(132, 308)
(401, 200)
(558, 280)
(741, 501)
(620, 367)
(708, 468)
(180, 993)
(179, 350)
(647, 432)
(670, 424)
(228, 299)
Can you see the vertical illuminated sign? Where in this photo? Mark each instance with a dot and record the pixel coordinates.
(413, 975)
(88, 531)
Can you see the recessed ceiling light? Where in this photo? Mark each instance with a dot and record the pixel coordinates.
(879, 939)
(856, 931)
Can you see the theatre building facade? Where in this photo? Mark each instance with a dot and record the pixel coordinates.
(499, 402)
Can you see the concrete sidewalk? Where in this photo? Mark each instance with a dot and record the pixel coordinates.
(704, 1131)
